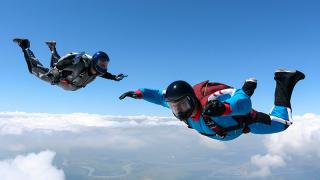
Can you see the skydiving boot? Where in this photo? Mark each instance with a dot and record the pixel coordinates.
(249, 86)
(34, 66)
(51, 45)
(23, 43)
(54, 54)
(285, 83)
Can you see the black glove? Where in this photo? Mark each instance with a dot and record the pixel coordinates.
(214, 108)
(131, 94)
(119, 77)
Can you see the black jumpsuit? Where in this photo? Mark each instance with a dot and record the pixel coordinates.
(70, 72)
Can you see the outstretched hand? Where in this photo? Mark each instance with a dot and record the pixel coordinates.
(214, 108)
(119, 77)
(131, 94)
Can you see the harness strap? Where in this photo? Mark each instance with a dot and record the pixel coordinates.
(243, 123)
(203, 91)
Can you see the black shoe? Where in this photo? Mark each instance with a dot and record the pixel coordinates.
(23, 43)
(286, 81)
(249, 86)
(51, 45)
(286, 75)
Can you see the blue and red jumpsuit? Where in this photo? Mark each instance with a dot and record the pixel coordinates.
(237, 103)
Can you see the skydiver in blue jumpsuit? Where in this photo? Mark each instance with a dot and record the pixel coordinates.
(227, 113)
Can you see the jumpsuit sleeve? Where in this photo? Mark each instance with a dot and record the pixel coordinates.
(153, 96)
(108, 75)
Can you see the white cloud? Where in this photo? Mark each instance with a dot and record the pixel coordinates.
(31, 167)
(303, 137)
(265, 163)
(300, 139)
(17, 123)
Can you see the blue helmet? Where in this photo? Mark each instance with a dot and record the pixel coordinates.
(99, 61)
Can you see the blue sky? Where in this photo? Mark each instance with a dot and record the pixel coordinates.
(157, 42)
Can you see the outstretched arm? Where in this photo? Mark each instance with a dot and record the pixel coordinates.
(150, 95)
(118, 77)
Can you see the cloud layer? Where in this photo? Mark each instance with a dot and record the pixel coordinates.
(16, 123)
(140, 135)
(30, 167)
(302, 139)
